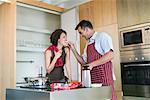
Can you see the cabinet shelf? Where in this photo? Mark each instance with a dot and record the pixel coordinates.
(33, 29)
(29, 49)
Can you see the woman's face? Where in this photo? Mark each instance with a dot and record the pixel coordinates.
(63, 39)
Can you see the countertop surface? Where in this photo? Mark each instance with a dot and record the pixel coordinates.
(98, 93)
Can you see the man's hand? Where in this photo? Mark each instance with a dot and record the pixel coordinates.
(71, 45)
(90, 66)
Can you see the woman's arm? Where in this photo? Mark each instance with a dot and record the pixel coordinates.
(68, 65)
(48, 54)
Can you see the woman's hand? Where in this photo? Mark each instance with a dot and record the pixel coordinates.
(58, 54)
(48, 70)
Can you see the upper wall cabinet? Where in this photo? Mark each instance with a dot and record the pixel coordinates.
(100, 12)
(87, 11)
(34, 26)
(104, 13)
(132, 12)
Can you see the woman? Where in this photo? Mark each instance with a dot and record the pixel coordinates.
(56, 56)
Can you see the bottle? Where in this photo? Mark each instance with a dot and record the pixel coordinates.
(86, 77)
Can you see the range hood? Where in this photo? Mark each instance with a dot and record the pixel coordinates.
(2, 1)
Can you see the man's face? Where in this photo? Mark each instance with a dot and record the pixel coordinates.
(83, 32)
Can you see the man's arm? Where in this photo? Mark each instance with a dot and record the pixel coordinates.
(105, 58)
(76, 54)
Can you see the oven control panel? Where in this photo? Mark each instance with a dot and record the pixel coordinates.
(135, 55)
(134, 59)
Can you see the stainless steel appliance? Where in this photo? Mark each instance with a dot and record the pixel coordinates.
(135, 72)
(86, 77)
(135, 37)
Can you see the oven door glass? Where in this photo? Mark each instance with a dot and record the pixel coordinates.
(136, 74)
(136, 79)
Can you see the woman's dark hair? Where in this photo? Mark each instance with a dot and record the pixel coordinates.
(83, 24)
(56, 35)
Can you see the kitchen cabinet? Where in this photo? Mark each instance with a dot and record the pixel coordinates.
(7, 43)
(33, 36)
(132, 12)
(34, 27)
(100, 13)
(86, 11)
(104, 13)
(8, 35)
(27, 45)
(105, 19)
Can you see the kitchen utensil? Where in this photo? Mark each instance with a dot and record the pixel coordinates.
(86, 77)
(36, 80)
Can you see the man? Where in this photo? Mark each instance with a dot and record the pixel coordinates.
(98, 54)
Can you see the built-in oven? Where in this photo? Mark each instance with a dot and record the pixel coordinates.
(136, 79)
(135, 37)
(135, 72)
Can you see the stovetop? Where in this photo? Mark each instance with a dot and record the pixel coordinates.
(35, 86)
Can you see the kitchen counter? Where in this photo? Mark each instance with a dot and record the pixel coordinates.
(99, 93)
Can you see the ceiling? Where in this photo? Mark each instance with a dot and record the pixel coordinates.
(61, 3)
(2, 1)
(65, 3)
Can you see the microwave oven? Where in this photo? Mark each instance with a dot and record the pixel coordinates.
(135, 37)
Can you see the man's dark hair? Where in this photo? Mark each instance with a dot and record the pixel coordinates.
(83, 24)
(56, 35)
